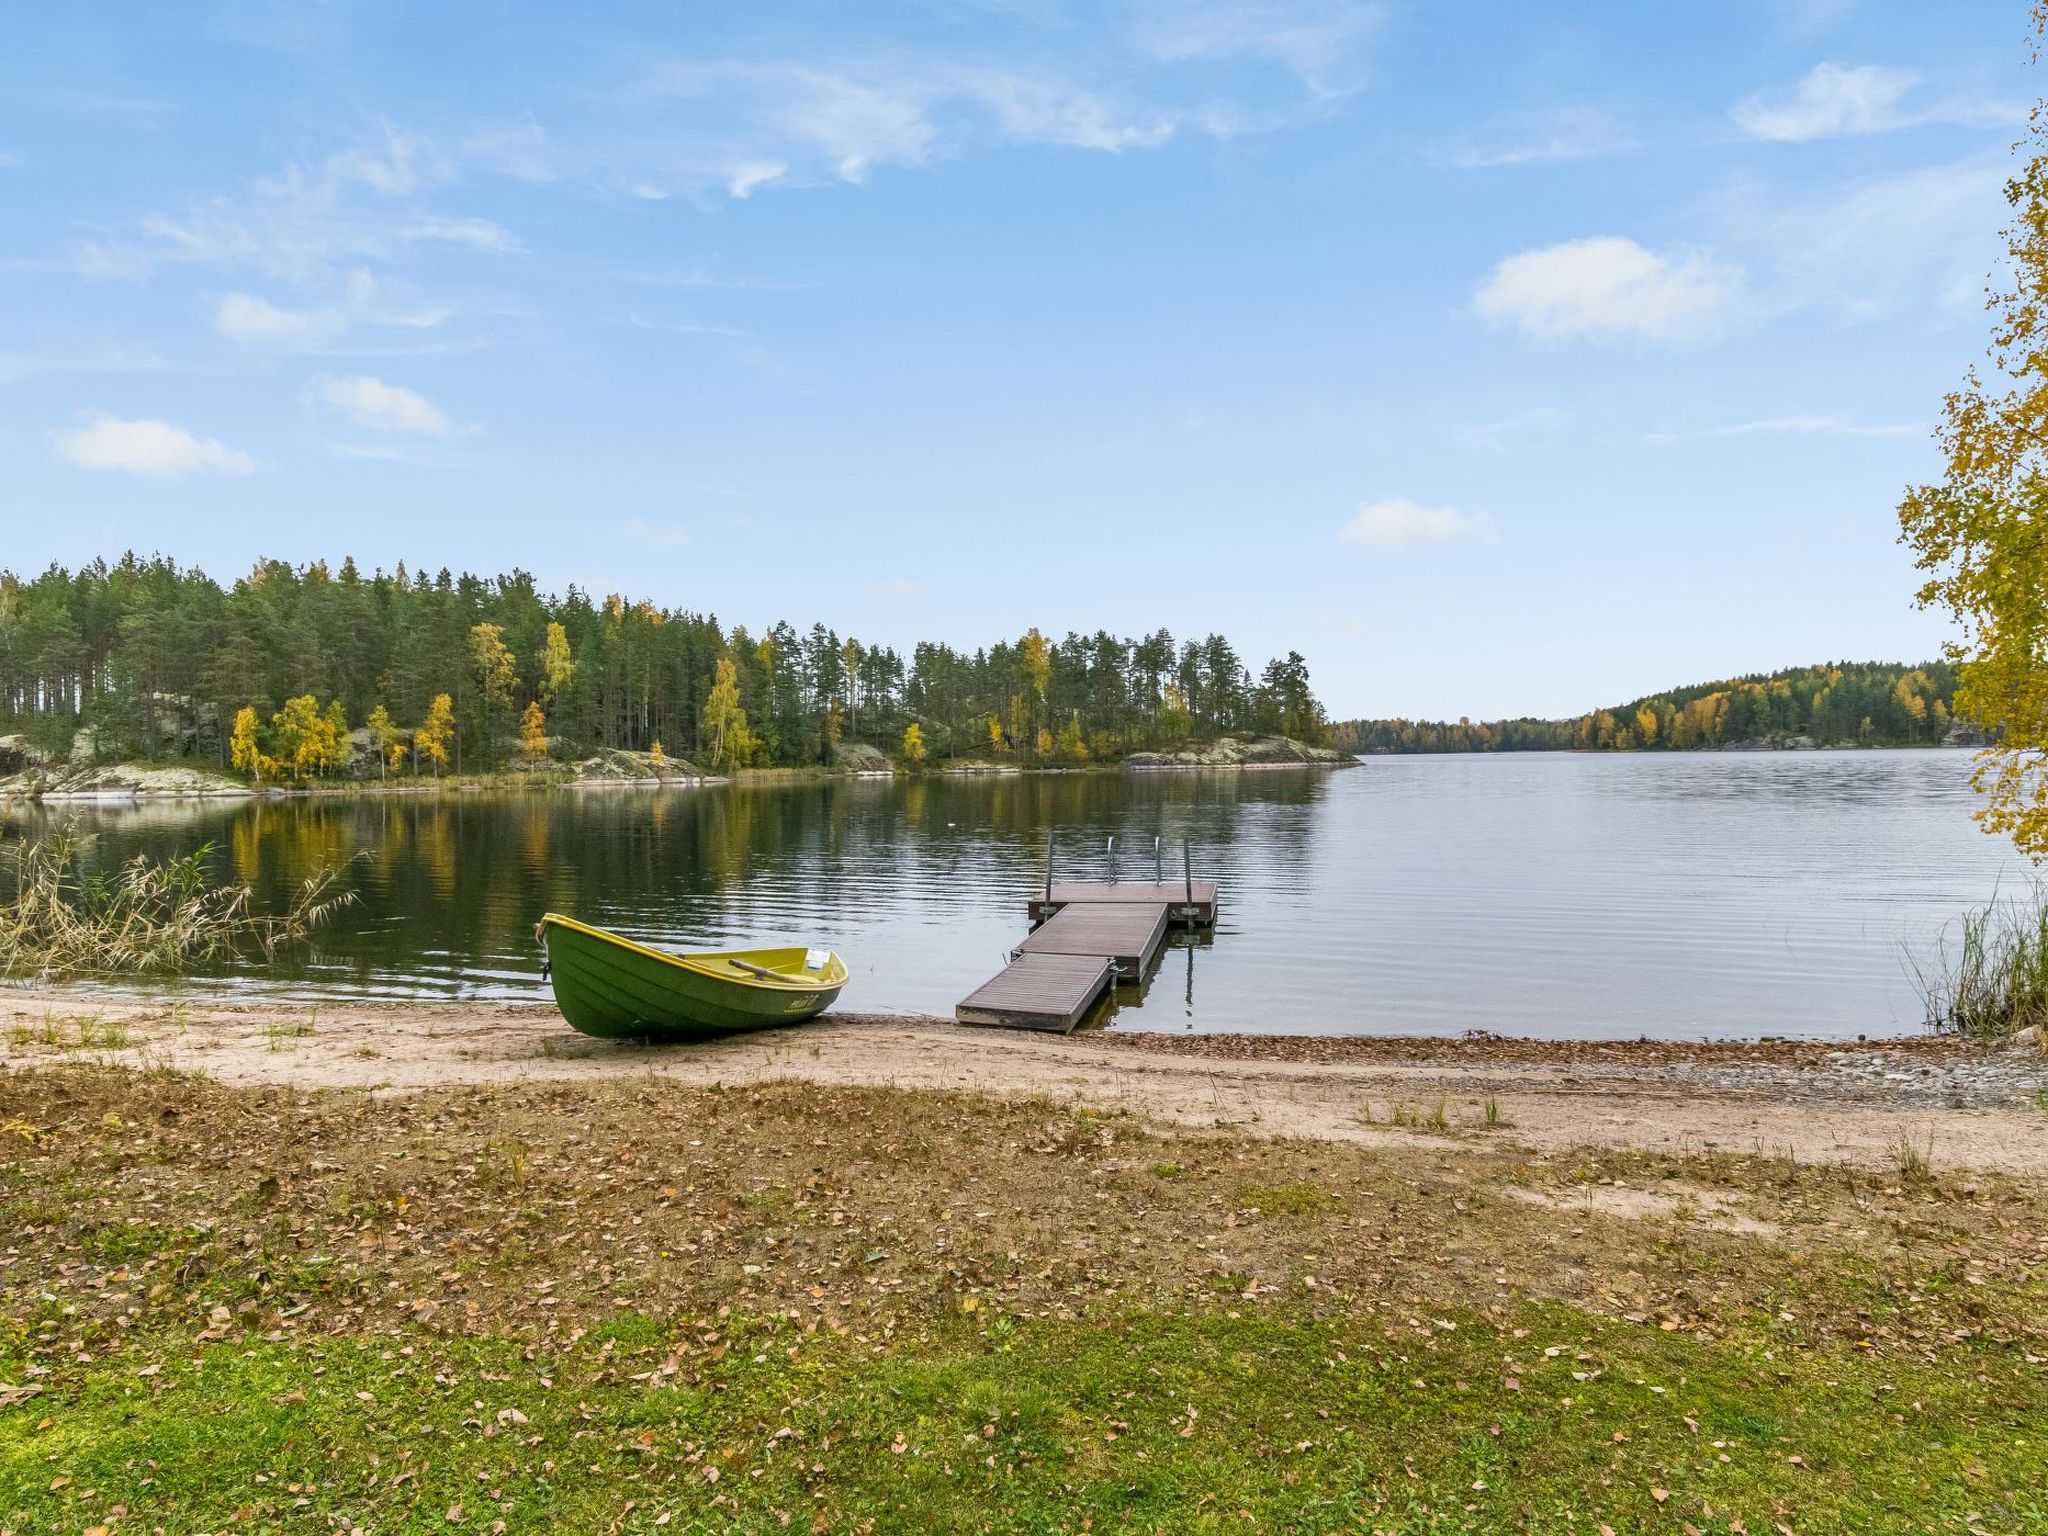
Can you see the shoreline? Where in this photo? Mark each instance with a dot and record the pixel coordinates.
(1853, 1103)
(524, 784)
(227, 790)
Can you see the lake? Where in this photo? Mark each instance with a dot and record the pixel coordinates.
(1672, 895)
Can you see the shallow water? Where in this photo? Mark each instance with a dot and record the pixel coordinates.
(1687, 896)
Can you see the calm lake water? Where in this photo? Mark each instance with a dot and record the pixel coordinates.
(1536, 894)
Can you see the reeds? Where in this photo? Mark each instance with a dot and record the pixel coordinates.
(146, 917)
(1987, 979)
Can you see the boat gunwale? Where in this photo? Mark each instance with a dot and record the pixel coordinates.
(834, 977)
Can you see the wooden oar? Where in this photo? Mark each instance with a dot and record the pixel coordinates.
(761, 971)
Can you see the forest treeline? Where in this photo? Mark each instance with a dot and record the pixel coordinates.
(1862, 703)
(275, 672)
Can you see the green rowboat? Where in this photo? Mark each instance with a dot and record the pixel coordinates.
(612, 987)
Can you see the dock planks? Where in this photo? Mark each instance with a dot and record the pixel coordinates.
(1127, 934)
(1047, 992)
(1189, 903)
(1087, 935)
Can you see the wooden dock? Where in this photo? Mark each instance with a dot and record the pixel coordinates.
(1038, 991)
(1188, 903)
(1086, 936)
(1126, 934)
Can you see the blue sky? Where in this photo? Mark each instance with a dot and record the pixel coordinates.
(1501, 358)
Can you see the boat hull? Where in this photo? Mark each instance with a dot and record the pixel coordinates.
(615, 989)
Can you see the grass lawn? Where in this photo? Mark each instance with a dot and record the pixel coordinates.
(606, 1309)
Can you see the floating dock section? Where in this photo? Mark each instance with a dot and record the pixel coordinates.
(1188, 904)
(1086, 937)
(1049, 992)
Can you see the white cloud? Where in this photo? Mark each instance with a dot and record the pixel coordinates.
(384, 407)
(1833, 99)
(746, 178)
(1794, 426)
(1609, 287)
(1397, 523)
(154, 448)
(245, 317)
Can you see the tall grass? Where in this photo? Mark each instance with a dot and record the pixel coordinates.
(1987, 978)
(148, 916)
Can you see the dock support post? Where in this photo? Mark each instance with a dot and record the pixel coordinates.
(1187, 871)
(1111, 851)
(1158, 867)
(1048, 866)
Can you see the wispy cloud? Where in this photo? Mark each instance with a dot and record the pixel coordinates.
(384, 407)
(244, 317)
(482, 234)
(1791, 426)
(153, 449)
(1606, 288)
(1397, 523)
(1320, 42)
(1833, 99)
(746, 178)
(1880, 246)
(750, 124)
(1179, 67)
(1573, 133)
(364, 201)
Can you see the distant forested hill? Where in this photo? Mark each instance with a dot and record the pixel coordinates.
(1845, 703)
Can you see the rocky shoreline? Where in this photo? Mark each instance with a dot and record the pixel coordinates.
(1240, 752)
(35, 777)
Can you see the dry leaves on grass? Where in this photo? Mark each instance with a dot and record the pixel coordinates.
(543, 1210)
